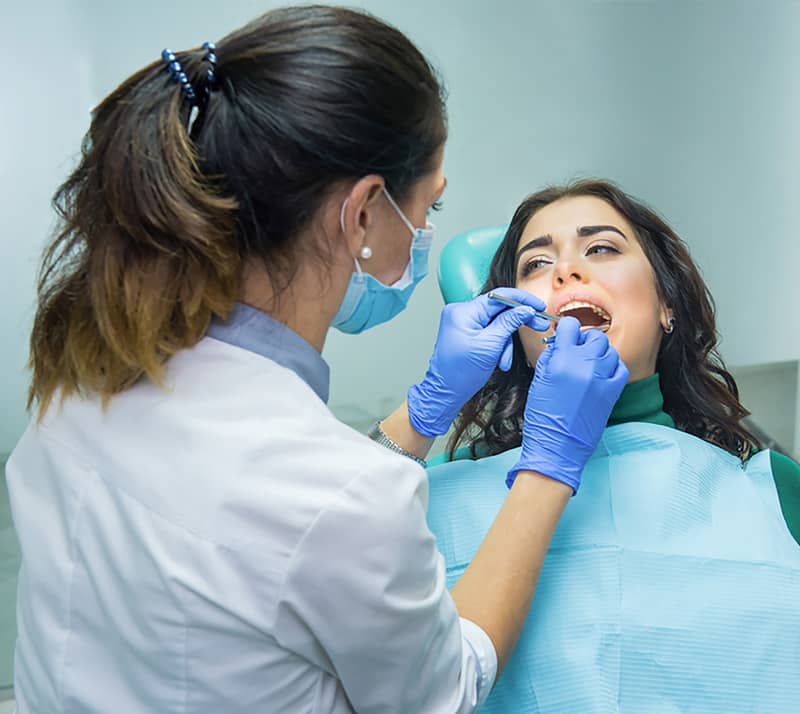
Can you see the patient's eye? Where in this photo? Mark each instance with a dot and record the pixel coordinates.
(531, 265)
(601, 249)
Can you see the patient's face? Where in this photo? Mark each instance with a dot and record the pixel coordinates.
(583, 259)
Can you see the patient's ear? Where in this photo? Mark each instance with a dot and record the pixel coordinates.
(667, 319)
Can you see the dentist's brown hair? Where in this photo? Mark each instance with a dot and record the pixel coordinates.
(156, 222)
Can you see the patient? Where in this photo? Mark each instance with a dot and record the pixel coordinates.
(672, 583)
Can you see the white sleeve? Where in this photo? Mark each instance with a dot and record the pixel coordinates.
(479, 654)
(365, 598)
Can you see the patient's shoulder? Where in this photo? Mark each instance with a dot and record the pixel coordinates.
(786, 472)
(460, 454)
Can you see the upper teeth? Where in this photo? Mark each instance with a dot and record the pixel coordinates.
(575, 304)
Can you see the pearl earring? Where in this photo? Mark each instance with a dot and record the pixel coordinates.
(365, 253)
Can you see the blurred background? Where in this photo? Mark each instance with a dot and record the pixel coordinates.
(692, 106)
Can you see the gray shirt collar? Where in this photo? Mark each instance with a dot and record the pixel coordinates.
(257, 332)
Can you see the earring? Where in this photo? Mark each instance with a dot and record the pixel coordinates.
(670, 326)
(365, 253)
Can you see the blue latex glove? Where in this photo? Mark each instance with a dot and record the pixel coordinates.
(578, 380)
(474, 338)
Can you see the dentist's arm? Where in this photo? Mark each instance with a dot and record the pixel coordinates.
(577, 382)
(474, 338)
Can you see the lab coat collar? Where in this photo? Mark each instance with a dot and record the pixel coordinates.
(257, 332)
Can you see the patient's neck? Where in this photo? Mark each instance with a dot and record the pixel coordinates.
(641, 401)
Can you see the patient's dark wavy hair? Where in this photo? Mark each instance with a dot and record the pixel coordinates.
(699, 393)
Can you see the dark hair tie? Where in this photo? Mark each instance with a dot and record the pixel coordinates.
(178, 75)
(211, 58)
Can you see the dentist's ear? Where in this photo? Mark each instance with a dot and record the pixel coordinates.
(357, 212)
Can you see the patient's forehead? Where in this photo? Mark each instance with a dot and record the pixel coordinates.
(562, 218)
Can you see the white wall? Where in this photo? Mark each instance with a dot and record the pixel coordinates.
(44, 109)
(692, 106)
(769, 391)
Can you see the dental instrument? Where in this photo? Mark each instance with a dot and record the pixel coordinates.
(515, 303)
(553, 318)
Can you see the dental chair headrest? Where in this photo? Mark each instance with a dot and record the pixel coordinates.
(465, 260)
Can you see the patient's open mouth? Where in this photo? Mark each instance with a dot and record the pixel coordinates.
(587, 314)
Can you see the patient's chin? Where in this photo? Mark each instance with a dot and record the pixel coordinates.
(532, 343)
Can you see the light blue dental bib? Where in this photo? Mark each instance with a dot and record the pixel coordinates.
(671, 585)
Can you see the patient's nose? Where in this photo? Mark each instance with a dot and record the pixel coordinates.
(566, 272)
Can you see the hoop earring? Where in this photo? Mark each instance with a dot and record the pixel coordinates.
(670, 328)
(365, 253)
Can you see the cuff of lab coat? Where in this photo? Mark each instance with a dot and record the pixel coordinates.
(478, 647)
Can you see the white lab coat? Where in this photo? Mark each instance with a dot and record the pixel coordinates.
(226, 545)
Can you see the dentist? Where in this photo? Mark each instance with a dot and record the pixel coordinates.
(198, 531)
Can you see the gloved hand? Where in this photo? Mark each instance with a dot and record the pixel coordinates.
(473, 337)
(578, 380)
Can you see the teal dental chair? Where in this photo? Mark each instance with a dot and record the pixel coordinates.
(463, 268)
(464, 262)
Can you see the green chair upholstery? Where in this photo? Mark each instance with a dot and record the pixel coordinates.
(465, 260)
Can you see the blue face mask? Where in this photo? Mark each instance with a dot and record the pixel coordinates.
(368, 302)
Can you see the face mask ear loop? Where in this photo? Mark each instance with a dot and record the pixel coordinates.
(402, 215)
(359, 272)
(341, 214)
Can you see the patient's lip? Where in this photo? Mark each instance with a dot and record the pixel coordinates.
(584, 297)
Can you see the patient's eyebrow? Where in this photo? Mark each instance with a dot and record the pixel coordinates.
(584, 231)
(539, 242)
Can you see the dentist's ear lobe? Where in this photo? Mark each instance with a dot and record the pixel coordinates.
(356, 212)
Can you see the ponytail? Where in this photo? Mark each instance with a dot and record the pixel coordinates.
(145, 252)
(156, 224)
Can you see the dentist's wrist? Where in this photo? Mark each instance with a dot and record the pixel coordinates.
(398, 428)
(560, 461)
(430, 411)
(379, 436)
